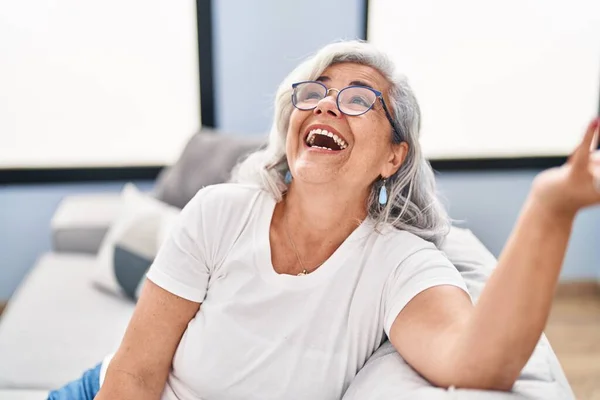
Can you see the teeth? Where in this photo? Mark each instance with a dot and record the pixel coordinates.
(324, 148)
(311, 138)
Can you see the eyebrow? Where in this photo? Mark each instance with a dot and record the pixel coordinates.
(324, 78)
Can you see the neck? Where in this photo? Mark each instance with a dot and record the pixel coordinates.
(319, 214)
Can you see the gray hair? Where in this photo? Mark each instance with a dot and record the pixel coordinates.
(413, 204)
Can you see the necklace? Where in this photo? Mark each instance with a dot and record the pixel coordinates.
(287, 232)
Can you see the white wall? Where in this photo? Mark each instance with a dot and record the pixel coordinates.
(490, 202)
(496, 78)
(109, 83)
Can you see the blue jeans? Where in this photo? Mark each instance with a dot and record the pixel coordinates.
(84, 388)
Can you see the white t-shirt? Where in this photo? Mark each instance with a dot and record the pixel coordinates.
(262, 335)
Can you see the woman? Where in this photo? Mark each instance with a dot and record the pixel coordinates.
(283, 284)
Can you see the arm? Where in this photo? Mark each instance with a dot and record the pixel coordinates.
(487, 346)
(141, 365)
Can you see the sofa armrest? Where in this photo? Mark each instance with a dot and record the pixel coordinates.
(81, 221)
(387, 376)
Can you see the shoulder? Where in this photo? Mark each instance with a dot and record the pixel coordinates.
(222, 206)
(218, 214)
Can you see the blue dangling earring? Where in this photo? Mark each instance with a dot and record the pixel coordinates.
(288, 178)
(383, 195)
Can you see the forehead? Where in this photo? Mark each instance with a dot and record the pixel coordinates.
(343, 74)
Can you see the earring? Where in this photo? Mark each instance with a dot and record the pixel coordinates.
(383, 196)
(288, 178)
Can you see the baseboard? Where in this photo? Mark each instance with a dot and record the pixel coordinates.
(577, 288)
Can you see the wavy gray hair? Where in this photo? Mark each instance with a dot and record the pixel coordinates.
(413, 204)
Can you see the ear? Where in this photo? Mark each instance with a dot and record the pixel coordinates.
(398, 153)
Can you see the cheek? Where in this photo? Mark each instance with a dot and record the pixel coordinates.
(371, 136)
(292, 136)
(294, 125)
(296, 118)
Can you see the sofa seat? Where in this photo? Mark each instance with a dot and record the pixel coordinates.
(23, 394)
(57, 324)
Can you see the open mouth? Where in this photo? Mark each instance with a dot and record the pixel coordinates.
(323, 139)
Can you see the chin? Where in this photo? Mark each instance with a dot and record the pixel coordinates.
(315, 174)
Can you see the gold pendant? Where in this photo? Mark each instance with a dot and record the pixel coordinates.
(302, 273)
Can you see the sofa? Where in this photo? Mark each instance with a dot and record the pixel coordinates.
(59, 323)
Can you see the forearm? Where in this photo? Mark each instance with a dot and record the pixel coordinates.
(140, 368)
(122, 384)
(511, 313)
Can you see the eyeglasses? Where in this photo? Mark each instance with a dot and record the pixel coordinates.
(351, 100)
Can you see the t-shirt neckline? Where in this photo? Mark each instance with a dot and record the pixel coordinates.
(263, 252)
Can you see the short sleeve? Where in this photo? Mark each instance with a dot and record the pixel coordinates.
(424, 269)
(181, 267)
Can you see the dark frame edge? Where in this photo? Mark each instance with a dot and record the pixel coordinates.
(20, 176)
(497, 164)
(366, 20)
(205, 62)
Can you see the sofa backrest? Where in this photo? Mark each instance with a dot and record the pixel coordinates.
(207, 159)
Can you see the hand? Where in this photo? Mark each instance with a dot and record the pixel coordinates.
(576, 184)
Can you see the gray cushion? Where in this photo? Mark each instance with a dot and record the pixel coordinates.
(386, 376)
(207, 159)
(57, 325)
(80, 222)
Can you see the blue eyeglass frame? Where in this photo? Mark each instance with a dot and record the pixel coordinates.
(378, 95)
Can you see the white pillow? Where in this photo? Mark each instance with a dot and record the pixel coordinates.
(137, 229)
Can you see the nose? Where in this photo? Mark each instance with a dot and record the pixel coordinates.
(328, 105)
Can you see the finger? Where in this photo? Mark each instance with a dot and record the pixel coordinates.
(582, 152)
